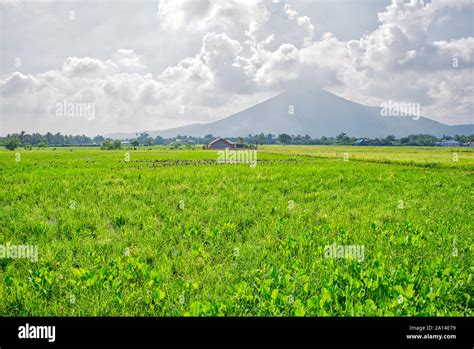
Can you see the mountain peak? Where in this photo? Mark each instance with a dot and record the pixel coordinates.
(316, 112)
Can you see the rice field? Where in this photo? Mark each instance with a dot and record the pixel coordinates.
(170, 232)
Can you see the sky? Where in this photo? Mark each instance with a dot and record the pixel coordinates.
(98, 67)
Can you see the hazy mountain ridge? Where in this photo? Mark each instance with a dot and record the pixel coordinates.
(316, 113)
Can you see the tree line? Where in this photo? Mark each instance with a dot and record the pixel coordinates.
(23, 139)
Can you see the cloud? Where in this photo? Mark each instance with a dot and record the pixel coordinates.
(118, 94)
(209, 15)
(128, 60)
(279, 66)
(259, 20)
(18, 83)
(460, 50)
(83, 67)
(396, 60)
(251, 50)
(124, 100)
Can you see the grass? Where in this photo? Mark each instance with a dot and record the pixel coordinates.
(171, 232)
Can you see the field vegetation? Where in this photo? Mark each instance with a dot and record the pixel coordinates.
(155, 231)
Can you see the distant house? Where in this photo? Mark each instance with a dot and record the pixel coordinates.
(469, 144)
(448, 143)
(361, 141)
(125, 142)
(221, 143)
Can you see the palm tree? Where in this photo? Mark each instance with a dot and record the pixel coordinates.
(22, 133)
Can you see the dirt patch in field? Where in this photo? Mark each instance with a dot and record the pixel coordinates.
(168, 163)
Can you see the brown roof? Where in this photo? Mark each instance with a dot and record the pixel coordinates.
(218, 139)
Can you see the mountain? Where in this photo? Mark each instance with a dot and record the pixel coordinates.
(316, 113)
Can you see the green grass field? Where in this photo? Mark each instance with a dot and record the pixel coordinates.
(172, 233)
